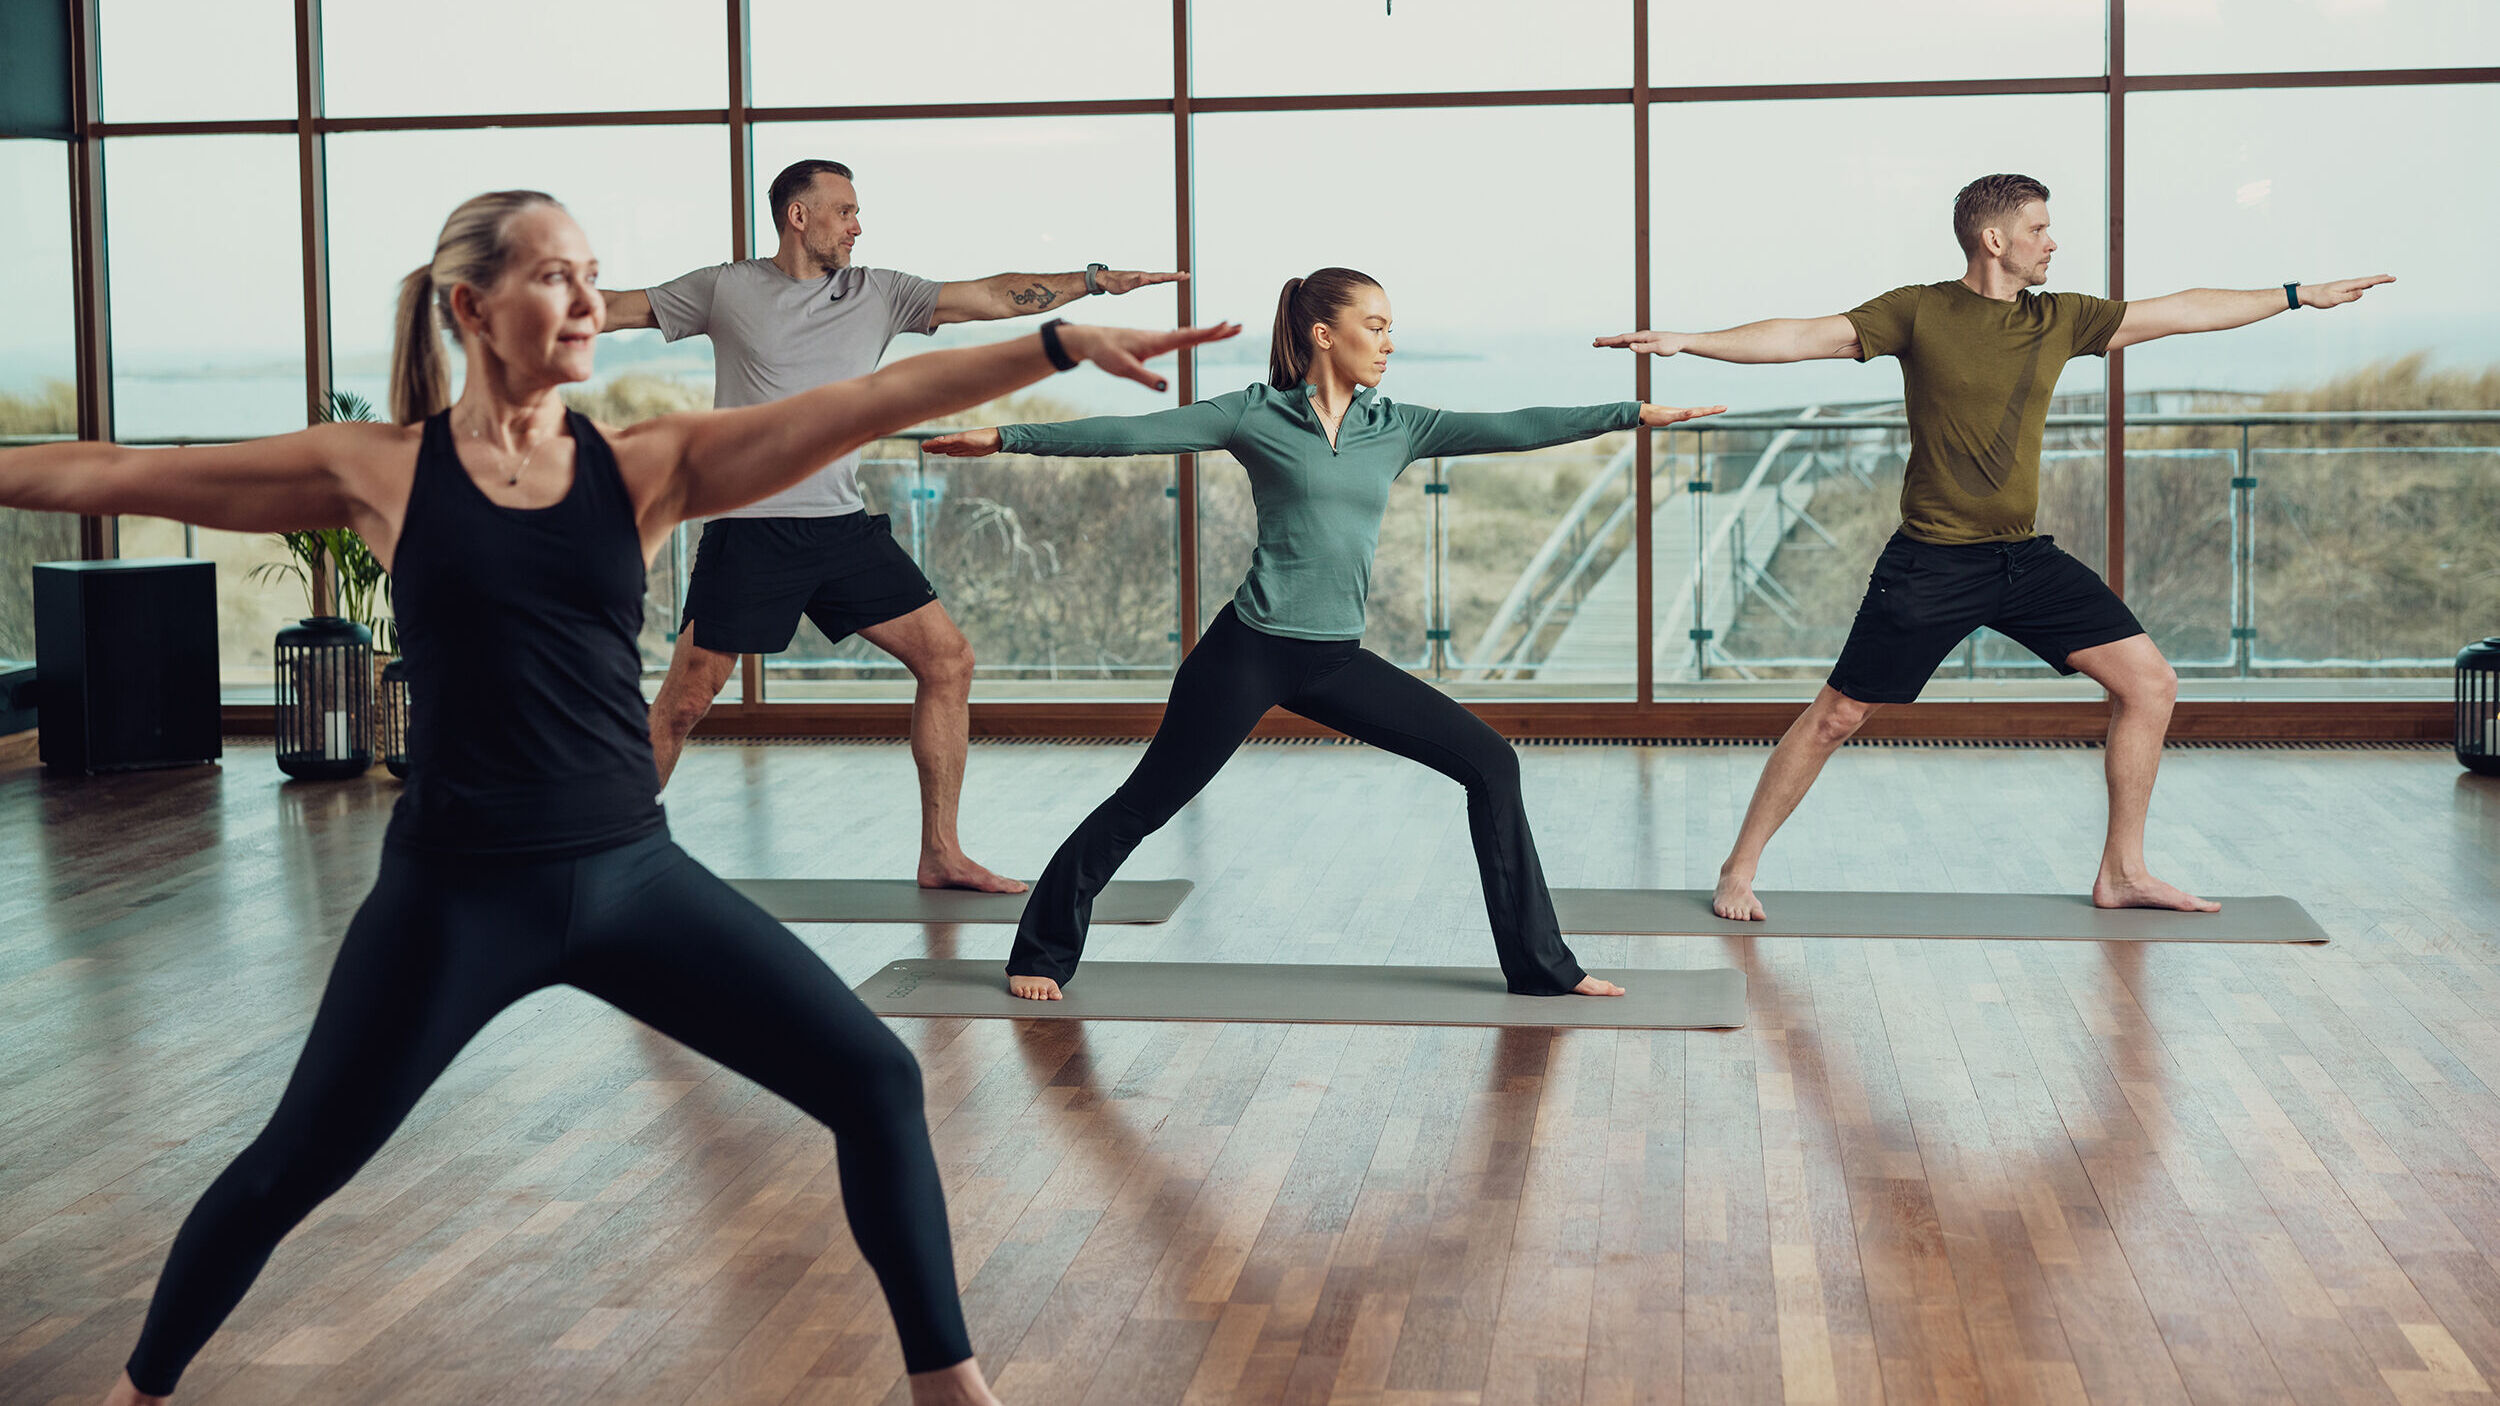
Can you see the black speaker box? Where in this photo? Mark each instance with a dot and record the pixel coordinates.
(126, 663)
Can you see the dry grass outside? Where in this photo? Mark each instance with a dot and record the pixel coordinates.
(2368, 540)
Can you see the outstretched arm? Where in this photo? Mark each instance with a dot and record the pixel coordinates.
(2217, 309)
(1015, 294)
(1187, 429)
(708, 462)
(280, 484)
(628, 309)
(1441, 433)
(1775, 339)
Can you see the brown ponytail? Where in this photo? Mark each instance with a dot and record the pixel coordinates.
(1304, 303)
(472, 249)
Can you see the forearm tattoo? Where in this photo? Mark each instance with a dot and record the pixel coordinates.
(1040, 295)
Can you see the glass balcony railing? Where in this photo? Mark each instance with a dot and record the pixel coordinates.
(2345, 551)
(2259, 546)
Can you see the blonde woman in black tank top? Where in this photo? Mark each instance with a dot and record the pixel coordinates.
(528, 848)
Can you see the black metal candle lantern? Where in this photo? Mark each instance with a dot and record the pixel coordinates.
(2478, 706)
(390, 714)
(325, 699)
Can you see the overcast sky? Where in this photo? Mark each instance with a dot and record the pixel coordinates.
(1504, 236)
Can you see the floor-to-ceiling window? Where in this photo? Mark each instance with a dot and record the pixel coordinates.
(2292, 508)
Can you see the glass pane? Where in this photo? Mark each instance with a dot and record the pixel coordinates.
(2185, 544)
(470, 56)
(1431, 46)
(2371, 558)
(913, 177)
(1772, 558)
(654, 202)
(181, 61)
(38, 299)
(38, 364)
(1536, 590)
(208, 310)
(1048, 597)
(1060, 572)
(2270, 36)
(2250, 189)
(1070, 50)
(2351, 561)
(1842, 41)
(1472, 335)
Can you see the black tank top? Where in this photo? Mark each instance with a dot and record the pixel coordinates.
(527, 732)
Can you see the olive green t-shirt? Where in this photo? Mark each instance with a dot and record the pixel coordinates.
(1977, 377)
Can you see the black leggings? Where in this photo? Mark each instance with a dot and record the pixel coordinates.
(441, 946)
(1222, 690)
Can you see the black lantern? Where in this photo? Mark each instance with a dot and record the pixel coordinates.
(325, 699)
(390, 718)
(2478, 707)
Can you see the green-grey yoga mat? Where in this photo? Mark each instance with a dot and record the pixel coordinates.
(1707, 999)
(1686, 912)
(902, 901)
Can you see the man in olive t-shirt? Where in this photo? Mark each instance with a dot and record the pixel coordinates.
(1980, 356)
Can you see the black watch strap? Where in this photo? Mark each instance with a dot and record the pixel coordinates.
(1050, 345)
(2291, 294)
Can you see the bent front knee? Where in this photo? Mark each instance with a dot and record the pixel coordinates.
(1839, 720)
(948, 667)
(888, 1080)
(2157, 687)
(679, 715)
(1495, 769)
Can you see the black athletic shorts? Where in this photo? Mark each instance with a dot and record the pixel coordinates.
(1925, 598)
(754, 576)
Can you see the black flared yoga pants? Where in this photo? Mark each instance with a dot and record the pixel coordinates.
(441, 945)
(1223, 688)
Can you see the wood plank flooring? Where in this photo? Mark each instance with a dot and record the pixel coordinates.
(1927, 1171)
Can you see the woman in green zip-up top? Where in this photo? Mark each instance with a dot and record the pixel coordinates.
(1321, 449)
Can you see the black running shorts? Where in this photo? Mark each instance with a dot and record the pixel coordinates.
(754, 577)
(1925, 598)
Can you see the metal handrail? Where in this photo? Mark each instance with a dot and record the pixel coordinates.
(1721, 424)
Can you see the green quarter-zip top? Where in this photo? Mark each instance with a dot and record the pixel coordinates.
(1319, 504)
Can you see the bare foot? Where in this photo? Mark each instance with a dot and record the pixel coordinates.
(1735, 901)
(2147, 892)
(959, 1385)
(1591, 986)
(125, 1393)
(1033, 988)
(958, 872)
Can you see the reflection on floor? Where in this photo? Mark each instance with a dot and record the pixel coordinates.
(1926, 1170)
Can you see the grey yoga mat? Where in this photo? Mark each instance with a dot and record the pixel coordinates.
(1707, 999)
(1686, 912)
(902, 901)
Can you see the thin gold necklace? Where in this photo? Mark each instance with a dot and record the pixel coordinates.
(512, 478)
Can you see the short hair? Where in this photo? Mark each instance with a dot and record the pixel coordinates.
(793, 182)
(1987, 200)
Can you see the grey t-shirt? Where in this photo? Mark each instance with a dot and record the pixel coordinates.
(774, 336)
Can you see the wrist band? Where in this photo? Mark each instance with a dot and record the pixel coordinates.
(1090, 271)
(1050, 346)
(2291, 294)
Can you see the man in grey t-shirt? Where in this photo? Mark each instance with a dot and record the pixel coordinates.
(801, 319)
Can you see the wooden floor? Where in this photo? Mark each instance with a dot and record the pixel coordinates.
(1926, 1171)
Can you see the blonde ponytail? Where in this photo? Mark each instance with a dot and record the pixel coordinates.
(420, 382)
